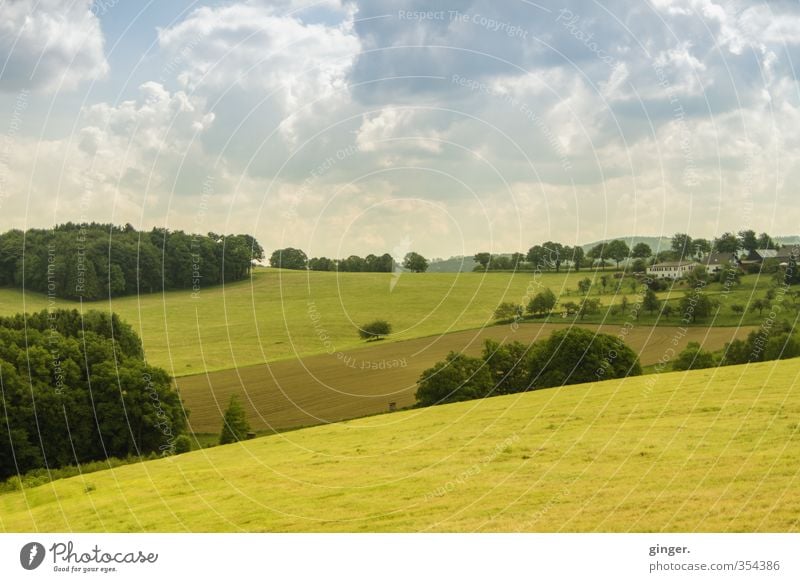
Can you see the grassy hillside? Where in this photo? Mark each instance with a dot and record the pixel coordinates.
(283, 314)
(332, 387)
(710, 450)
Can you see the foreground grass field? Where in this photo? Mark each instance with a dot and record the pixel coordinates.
(331, 387)
(284, 314)
(709, 450)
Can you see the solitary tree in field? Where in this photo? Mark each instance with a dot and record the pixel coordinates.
(234, 425)
(584, 285)
(375, 330)
(415, 262)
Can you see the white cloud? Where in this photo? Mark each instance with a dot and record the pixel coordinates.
(49, 44)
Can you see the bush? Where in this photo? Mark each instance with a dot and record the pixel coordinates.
(375, 330)
(693, 357)
(183, 444)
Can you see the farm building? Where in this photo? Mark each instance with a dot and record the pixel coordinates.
(714, 261)
(671, 269)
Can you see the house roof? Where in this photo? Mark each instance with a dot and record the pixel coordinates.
(788, 251)
(719, 258)
(766, 253)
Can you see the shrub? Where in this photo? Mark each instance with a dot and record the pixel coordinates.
(375, 330)
(693, 357)
(543, 302)
(183, 444)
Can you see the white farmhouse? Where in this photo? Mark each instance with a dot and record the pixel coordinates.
(671, 269)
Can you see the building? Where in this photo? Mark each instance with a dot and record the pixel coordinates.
(671, 269)
(714, 261)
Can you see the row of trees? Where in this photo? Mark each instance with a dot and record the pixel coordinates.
(76, 388)
(552, 255)
(778, 343)
(569, 356)
(292, 258)
(92, 261)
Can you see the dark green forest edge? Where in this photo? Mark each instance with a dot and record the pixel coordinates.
(76, 388)
(94, 261)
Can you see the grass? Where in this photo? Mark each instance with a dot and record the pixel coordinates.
(332, 387)
(279, 315)
(708, 450)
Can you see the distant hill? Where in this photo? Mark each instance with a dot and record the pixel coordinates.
(452, 265)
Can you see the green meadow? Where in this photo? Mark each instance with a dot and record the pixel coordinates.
(281, 314)
(701, 451)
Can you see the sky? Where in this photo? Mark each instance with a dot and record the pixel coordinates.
(370, 126)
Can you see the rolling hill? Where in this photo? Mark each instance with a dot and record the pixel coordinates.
(709, 450)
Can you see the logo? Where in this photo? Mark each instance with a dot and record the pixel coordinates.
(31, 555)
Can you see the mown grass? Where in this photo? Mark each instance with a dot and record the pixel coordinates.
(285, 314)
(707, 450)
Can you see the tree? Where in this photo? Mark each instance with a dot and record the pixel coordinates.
(682, 245)
(729, 275)
(517, 259)
(288, 258)
(508, 365)
(234, 425)
(702, 246)
(760, 305)
(584, 285)
(543, 302)
(375, 330)
(577, 355)
(483, 260)
(618, 251)
(576, 255)
(556, 252)
(508, 311)
(415, 263)
(727, 243)
(737, 308)
(765, 241)
(697, 305)
(650, 301)
(589, 307)
(748, 240)
(641, 251)
(782, 346)
(598, 253)
(667, 310)
(604, 282)
(455, 379)
(693, 357)
(623, 304)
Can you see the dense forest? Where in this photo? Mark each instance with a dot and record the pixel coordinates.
(76, 388)
(92, 261)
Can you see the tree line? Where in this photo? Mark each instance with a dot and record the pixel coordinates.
(569, 356)
(76, 388)
(296, 259)
(92, 261)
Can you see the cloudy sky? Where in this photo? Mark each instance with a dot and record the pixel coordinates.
(447, 127)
